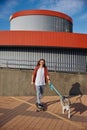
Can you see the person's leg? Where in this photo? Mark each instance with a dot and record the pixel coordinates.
(38, 94)
(41, 91)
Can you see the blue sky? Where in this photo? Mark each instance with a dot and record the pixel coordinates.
(76, 9)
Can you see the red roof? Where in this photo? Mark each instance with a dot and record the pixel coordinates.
(43, 39)
(41, 12)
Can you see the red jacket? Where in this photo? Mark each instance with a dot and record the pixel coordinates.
(35, 72)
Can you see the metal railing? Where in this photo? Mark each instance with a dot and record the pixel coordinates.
(52, 66)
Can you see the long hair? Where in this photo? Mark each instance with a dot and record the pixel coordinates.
(38, 63)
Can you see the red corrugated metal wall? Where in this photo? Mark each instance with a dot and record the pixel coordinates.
(45, 39)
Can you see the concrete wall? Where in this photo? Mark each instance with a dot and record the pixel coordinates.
(15, 82)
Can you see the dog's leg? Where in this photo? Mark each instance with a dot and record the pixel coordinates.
(69, 113)
(63, 109)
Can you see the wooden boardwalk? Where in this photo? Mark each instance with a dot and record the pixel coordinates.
(19, 113)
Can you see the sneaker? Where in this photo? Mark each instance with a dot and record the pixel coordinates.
(41, 105)
(38, 105)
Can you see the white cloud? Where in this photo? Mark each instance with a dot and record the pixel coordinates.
(70, 7)
(31, 1)
(83, 17)
(7, 8)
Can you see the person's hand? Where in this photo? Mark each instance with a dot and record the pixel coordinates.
(49, 81)
(32, 82)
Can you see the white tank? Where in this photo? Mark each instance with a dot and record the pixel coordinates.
(41, 20)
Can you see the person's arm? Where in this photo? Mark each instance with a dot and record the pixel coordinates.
(32, 82)
(47, 76)
(34, 75)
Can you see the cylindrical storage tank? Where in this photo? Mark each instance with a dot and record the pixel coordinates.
(41, 20)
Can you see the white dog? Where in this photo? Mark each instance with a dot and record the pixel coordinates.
(65, 103)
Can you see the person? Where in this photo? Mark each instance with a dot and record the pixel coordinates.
(40, 77)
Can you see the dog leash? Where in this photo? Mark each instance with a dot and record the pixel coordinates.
(53, 88)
